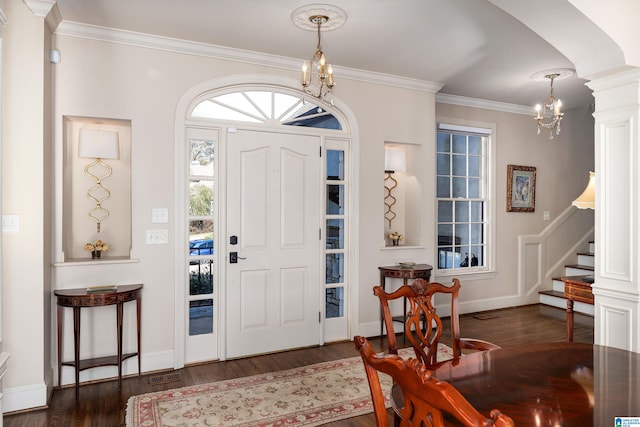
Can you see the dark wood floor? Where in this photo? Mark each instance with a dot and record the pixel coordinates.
(101, 404)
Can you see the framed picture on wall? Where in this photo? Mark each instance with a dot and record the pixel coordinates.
(521, 188)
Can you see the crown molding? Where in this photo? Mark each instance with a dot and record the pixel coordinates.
(40, 8)
(93, 32)
(464, 101)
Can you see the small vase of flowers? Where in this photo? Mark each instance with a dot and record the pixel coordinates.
(96, 248)
(395, 238)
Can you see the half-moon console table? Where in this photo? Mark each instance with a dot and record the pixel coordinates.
(81, 297)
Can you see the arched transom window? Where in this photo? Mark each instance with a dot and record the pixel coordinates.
(267, 107)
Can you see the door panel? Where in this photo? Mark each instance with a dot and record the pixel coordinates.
(274, 208)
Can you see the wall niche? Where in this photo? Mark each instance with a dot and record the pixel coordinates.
(403, 194)
(96, 207)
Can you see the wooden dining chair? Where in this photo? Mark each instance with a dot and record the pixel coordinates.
(419, 399)
(423, 327)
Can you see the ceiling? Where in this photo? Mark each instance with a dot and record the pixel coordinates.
(472, 47)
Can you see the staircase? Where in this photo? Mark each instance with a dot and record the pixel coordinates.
(584, 267)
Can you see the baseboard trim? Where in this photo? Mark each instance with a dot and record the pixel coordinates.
(36, 396)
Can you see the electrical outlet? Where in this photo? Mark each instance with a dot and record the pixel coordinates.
(546, 215)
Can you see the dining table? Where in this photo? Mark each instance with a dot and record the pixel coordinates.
(550, 384)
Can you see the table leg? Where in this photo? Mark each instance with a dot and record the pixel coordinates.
(382, 283)
(76, 347)
(138, 310)
(59, 314)
(119, 310)
(570, 320)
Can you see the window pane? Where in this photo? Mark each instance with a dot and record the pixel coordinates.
(444, 189)
(462, 211)
(334, 268)
(335, 199)
(201, 158)
(477, 234)
(477, 258)
(335, 165)
(475, 166)
(444, 164)
(445, 234)
(445, 211)
(462, 233)
(475, 144)
(334, 302)
(476, 211)
(201, 198)
(459, 188)
(335, 234)
(474, 188)
(444, 143)
(464, 260)
(460, 144)
(459, 165)
(201, 238)
(201, 277)
(201, 317)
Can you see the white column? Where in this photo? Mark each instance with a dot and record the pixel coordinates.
(3, 355)
(617, 213)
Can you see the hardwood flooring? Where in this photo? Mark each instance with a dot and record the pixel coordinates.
(102, 405)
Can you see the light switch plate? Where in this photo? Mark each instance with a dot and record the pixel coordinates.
(10, 223)
(159, 215)
(157, 237)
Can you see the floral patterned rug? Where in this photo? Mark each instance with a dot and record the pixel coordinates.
(306, 396)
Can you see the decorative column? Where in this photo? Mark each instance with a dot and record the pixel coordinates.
(617, 213)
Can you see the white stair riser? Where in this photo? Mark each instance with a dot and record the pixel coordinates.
(578, 307)
(573, 271)
(586, 260)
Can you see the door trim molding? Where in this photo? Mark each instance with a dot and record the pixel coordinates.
(180, 152)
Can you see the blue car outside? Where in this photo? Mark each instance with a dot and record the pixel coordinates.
(201, 247)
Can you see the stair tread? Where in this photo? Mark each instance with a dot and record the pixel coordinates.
(587, 253)
(581, 267)
(552, 293)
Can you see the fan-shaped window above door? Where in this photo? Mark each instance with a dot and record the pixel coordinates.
(268, 107)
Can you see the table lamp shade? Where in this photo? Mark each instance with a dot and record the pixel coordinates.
(98, 144)
(587, 200)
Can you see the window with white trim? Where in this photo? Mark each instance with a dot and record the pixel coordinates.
(463, 198)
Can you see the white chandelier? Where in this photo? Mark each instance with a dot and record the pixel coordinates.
(317, 75)
(548, 115)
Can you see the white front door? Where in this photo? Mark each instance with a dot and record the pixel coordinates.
(273, 213)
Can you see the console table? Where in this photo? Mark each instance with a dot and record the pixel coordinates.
(78, 298)
(575, 290)
(418, 271)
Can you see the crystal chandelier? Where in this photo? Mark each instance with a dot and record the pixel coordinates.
(548, 115)
(317, 75)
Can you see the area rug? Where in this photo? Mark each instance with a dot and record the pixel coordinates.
(306, 396)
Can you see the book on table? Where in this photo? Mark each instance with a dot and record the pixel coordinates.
(102, 288)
